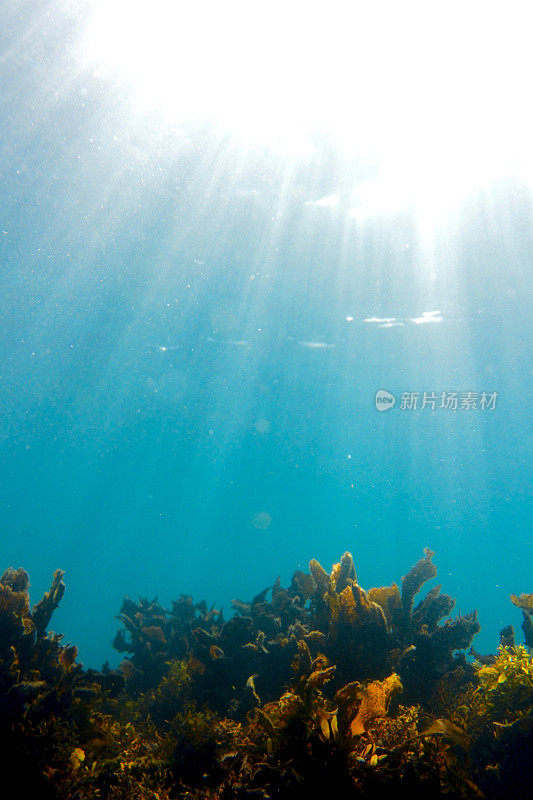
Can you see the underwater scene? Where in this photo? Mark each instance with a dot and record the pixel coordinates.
(265, 385)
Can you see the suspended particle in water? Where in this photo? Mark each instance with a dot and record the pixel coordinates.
(262, 425)
(262, 520)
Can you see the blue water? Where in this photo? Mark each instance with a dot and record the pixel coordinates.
(187, 379)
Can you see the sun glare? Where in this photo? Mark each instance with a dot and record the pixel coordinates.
(437, 93)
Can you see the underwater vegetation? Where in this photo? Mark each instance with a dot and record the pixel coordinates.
(44, 693)
(319, 688)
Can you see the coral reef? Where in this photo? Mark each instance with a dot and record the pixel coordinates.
(319, 688)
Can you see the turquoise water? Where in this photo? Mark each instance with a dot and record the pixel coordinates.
(193, 331)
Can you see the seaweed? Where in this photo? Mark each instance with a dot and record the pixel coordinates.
(367, 634)
(497, 714)
(525, 602)
(45, 697)
(319, 688)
